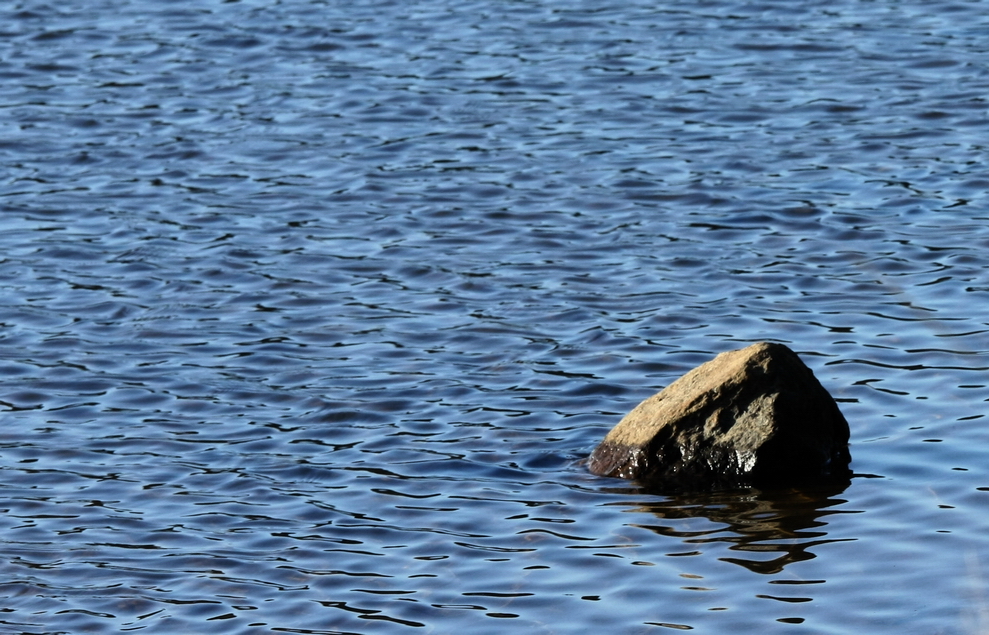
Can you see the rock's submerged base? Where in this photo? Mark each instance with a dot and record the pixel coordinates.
(755, 416)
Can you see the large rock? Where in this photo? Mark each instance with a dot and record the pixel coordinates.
(755, 416)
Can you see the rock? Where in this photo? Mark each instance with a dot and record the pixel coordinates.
(755, 416)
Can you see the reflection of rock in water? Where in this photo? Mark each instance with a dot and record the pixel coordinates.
(786, 522)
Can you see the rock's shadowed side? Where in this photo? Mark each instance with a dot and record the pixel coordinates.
(754, 416)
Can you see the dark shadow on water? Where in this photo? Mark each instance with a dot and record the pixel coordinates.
(776, 526)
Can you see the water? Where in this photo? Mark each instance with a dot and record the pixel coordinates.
(311, 311)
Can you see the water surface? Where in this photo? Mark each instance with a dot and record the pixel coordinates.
(311, 311)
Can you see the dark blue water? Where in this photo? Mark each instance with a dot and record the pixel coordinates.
(311, 310)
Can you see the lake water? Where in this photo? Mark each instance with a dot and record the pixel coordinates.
(312, 309)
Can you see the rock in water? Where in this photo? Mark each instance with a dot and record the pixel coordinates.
(755, 416)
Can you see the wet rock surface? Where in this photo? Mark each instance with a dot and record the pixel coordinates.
(754, 416)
